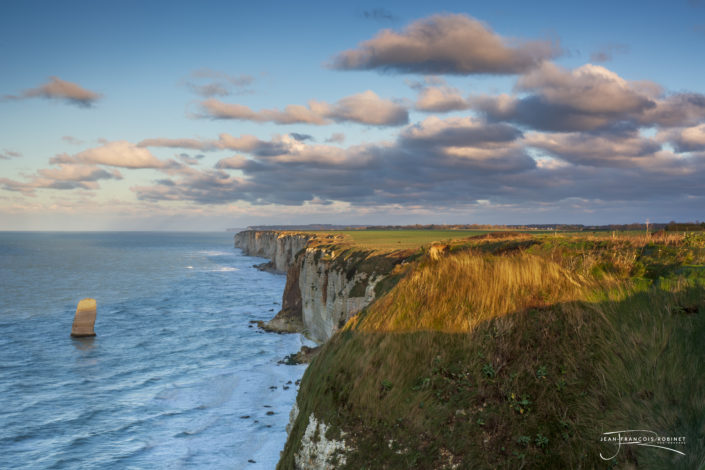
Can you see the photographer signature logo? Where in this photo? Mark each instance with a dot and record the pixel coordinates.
(641, 438)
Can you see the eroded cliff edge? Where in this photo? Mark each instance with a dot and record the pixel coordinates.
(327, 281)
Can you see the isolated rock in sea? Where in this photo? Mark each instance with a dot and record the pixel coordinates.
(84, 320)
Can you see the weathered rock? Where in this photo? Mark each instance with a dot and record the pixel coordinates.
(289, 318)
(84, 320)
(304, 356)
(329, 295)
(317, 452)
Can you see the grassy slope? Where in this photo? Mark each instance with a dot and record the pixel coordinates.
(519, 352)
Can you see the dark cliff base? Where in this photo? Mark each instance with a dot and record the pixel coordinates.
(289, 319)
(267, 267)
(304, 356)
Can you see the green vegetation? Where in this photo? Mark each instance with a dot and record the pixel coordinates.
(515, 350)
(390, 240)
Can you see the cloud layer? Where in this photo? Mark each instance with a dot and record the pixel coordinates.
(209, 83)
(118, 154)
(439, 161)
(582, 137)
(363, 108)
(63, 90)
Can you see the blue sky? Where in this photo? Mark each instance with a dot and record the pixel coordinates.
(605, 124)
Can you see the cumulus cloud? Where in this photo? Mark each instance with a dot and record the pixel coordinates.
(78, 173)
(676, 110)
(589, 88)
(589, 98)
(8, 154)
(368, 108)
(119, 154)
(209, 83)
(445, 44)
(291, 114)
(209, 89)
(379, 14)
(71, 140)
(435, 95)
(364, 108)
(689, 139)
(190, 160)
(244, 143)
(458, 132)
(336, 137)
(301, 137)
(627, 150)
(194, 144)
(66, 176)
(59, 89)
(606, 52)
(236, 162)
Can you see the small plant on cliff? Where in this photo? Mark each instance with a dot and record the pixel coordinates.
(541, 373)
(541, 441)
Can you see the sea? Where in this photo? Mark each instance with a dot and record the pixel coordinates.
(177, 376)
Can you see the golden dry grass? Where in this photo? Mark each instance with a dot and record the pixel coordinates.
(458, 292)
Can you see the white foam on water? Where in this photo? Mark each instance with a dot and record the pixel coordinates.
(222, 269)
(216, 253)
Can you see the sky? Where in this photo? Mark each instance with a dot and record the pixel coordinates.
(210, 115)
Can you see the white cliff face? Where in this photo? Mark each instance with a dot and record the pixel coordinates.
(280, 247)
(317, 452)
(328, 297)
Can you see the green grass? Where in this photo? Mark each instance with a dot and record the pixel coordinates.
(388, 240)
(508, 354)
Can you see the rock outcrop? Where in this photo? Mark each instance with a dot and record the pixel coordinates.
(317, 452)
(84, 319)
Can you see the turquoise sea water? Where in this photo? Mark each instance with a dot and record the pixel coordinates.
(176, 378)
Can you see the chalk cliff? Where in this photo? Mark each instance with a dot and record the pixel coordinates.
(279, 247)
(326, 285)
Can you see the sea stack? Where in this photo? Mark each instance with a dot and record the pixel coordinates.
(84, 320)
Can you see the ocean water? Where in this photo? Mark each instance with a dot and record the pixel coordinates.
(176, 377)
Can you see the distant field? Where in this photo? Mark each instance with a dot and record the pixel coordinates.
(392, 240)
(385, 240)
